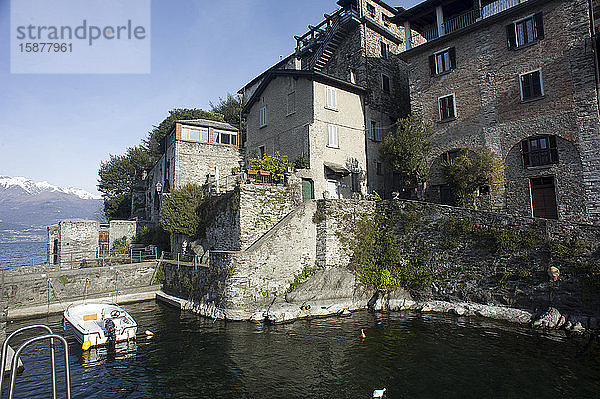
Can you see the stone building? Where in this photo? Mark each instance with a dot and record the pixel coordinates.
(196, 151)
(73, 240)
(519, 77)
(340, 93)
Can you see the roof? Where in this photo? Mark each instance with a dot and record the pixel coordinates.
(313, 75)
(207, 123)
(262, 75)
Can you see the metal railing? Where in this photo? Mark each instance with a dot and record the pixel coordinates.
(461, 21)
(498, 6)
(83, 259)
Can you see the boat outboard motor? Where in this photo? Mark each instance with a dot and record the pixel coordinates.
(110, 331)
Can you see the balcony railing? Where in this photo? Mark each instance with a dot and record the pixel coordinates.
(463, 20)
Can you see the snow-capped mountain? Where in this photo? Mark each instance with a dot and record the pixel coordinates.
(32, 187)
(28, 207)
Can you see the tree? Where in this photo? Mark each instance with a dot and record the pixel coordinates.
(116, 178)
(181, 211)
(230, 108)
(408, 149)
(154, 141)
(471, 169)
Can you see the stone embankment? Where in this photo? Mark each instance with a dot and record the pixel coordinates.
(478, 264)
(337, 292)
(30, 293)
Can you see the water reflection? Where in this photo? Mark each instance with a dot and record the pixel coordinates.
(412, 355)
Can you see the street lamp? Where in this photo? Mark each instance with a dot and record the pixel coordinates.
(158, 187)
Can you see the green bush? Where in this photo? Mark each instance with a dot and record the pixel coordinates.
(154, 236)
(276, 164)
(181, 211)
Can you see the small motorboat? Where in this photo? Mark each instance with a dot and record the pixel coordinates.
(96, 324)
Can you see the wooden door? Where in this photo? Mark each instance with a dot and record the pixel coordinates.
(543, 197)
(307, 190)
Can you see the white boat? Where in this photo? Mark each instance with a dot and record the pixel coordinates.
(99, 323)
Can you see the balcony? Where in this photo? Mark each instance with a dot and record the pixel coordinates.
(426, 23)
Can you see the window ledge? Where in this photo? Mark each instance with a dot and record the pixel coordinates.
(331, 109)
(447, 120)
(541, 167)
(263, 126)
(533, 99)
(443, 73)
(291, 113)
(533, 43)
(335, 148)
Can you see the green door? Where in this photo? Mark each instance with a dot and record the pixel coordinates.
(307, 190)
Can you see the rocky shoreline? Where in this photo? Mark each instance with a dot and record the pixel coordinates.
(336, 292)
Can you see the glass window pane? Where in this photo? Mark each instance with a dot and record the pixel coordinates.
(224, 138)
(233, 139)
(447, 61)
(204, 135)
(216, 137)
(185, 134)
(194, 135)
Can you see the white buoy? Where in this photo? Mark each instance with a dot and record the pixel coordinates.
(378, 393)
(149, 333)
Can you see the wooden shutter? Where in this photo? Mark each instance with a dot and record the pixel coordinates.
(525, 152)
(452, 53)
(450, 105)
(526, 86)
(538, 21)
(511, 36)
(553, 149)
(432, 64)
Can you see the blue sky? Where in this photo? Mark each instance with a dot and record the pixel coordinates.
(60, 127)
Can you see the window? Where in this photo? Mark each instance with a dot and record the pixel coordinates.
(185, 134)
(216, 137)
(204, 135)
(291, 103)
(385, 83)
(225, 138)
(190, 134)
(374, 130)
(443, 61)
(194, 135)
(261, 152)
(333, 136)
(450, 155)
(525, 31)
(379, 166)
(531, 85)
(384, 49)
(263, 116)
(386, 19)
(331, 98)
(447, 108)
(371, 10)
(539, 151)
(234, 139)
(352, 76)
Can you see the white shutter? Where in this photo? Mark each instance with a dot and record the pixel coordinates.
(331, 98)
(333, 136)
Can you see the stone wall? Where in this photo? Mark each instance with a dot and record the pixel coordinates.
(195, 162)
(78, 240)
(477, 256)
(238, 218)
(237, 284)
(490, 111)
(119, 229)
(22, 290)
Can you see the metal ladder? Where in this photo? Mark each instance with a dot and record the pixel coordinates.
(49, 336)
